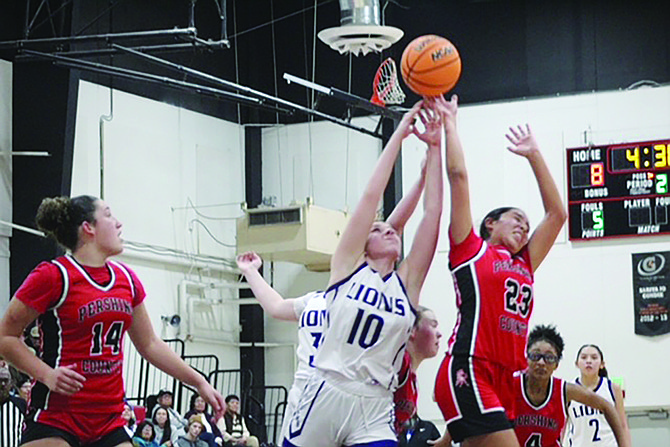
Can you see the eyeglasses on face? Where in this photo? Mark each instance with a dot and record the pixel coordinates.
(548, 358)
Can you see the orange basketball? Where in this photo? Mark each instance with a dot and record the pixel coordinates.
(430, 65)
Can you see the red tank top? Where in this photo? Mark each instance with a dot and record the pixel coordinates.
(539, 426)
(494, 296)
(406, 395)
(84, 314)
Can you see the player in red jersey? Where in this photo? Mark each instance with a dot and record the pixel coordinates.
(541, 401)
(84, 303)
(423, 343)
(493, 276)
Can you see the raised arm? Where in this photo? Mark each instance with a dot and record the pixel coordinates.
(621, 411)
(460, 222)
(63, 380)
(270, 300)
(352, 242)
(404, 209)
(588, 397)
(159, 354)
(414, 268)
(524, 144)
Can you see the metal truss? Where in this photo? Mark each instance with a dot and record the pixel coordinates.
(75, 45)
(71, 52)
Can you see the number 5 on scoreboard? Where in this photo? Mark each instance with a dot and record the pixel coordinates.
(598, 220)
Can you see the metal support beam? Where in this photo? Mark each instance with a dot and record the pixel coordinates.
(264, 96)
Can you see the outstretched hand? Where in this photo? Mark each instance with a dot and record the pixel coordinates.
(523, 141)
(432, 124)
(408, 119)
(448, 110)
(248, 261)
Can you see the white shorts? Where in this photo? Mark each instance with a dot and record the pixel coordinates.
(328, 414)
(291, 404)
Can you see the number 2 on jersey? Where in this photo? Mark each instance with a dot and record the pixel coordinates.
(365, 340)
(597, 429)
(112, 338)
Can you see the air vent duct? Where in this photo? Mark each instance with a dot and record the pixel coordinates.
(361, 30)
(304, 234)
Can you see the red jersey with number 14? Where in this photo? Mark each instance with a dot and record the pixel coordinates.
(84, 314)
(539, 425)
(494, 296)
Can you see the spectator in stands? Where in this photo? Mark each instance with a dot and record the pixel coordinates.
(129, 415)
(210, 432)
(166, 400)
(6, 382)
(192, 436)
(20, 394)
(165, 436)
(144, 435)
(233, 427)
(24, 389)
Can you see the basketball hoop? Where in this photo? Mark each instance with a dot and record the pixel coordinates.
(386, 88)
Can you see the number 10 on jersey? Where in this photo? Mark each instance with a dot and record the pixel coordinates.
(367, 333)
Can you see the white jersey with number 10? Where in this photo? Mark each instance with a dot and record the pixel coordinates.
(368, 325)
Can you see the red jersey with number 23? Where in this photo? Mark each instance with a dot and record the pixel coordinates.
(494, 296)
(84, 314)
(539, 425)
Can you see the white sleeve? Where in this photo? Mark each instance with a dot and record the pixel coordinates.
(300, 303)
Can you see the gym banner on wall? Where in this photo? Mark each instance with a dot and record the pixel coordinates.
(651, 298)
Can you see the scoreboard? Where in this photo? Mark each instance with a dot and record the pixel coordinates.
(619, 190)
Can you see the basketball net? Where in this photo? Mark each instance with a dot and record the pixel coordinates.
(386, 88)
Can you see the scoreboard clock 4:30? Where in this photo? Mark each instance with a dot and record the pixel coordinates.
(619, 190)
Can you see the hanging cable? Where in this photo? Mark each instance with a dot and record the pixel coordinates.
(274, 79)
(246, 31)
(311, 104)
(311, 120)
(241, 133)
(274, 53)
(346, 153)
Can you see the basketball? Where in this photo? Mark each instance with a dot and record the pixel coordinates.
(430, 65)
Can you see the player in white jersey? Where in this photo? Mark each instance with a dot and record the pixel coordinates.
(348, 399)
(309, 310)
(587, 426)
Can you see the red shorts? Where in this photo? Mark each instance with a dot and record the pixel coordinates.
(473, 395)
(86, 427)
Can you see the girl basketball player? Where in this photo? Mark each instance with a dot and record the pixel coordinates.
(348, 399)
(541, 401)
(493, 276)
(310, 310)
(423, 343)
(588, 427)
(84, 303)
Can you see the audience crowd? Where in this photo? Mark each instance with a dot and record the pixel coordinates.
(158, 424)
